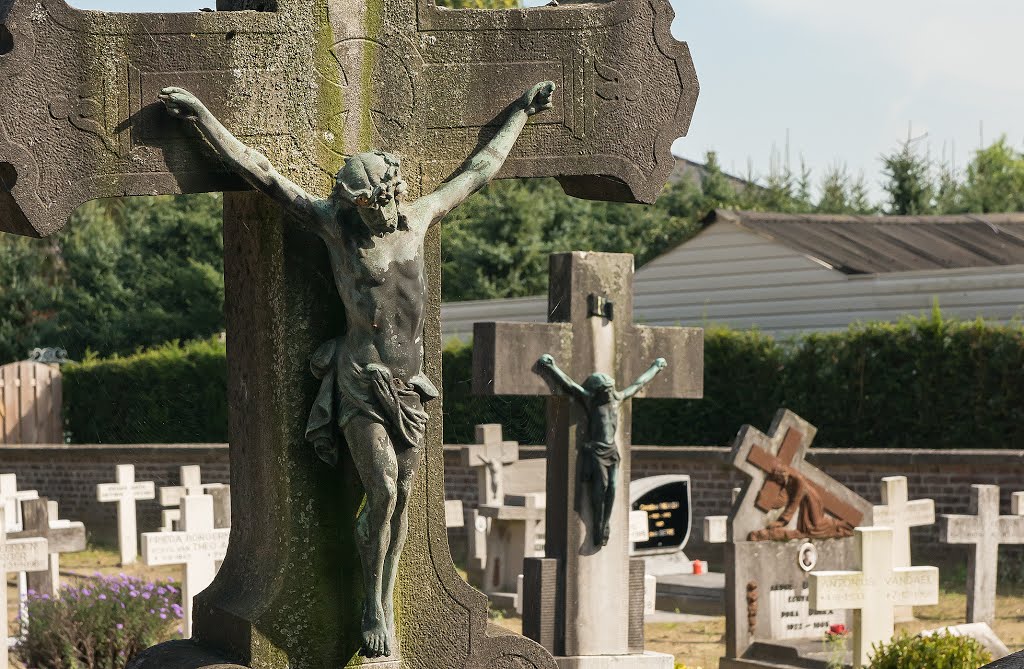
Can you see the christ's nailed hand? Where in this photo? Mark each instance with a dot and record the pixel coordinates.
(538, 98)
(180, 103)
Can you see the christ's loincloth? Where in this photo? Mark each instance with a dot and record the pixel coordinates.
(598, 459)
(348, 390)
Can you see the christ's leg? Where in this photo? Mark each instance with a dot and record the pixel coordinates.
(377, 465)
(598, 487)
(408, 465)
(611, 489)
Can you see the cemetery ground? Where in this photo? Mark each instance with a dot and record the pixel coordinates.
(696, 643)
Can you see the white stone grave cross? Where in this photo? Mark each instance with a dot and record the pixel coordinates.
(11, 499)
(900, 515)
(125, 492)
(61, 537)
(198, 545)
(986, 529)
(874, 592)
(16, 555)
(488, 456)
(191, 478)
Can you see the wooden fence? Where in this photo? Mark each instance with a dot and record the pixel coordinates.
(30, 404)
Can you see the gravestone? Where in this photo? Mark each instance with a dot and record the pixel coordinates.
(489, 456)
(985, 529)
(515, 533)
(126, 492)
(16, 555)
(665, 504)
(576, 598)
(874, 591)
(60, 536)
(790, 518)
(221, 495)
(311, 83)
(191, 483)
(198, 545)
(12, 499)
(899, 514)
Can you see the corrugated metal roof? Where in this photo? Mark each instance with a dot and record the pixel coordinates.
(882, 244)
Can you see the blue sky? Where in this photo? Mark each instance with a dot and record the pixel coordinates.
(843, 80)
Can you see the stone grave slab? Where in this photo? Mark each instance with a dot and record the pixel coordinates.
(980, 632)
(126, 491)
(515, 533)
(790, 518)
(666, 503)
(874, 591)
(191, 483)
(984, 529)
(898, 513)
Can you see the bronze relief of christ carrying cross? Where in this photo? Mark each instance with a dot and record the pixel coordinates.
(373, 388)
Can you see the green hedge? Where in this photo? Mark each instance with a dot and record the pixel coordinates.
(924, 382)
(175, 393)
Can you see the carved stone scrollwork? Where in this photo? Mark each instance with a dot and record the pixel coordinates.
(614, 86)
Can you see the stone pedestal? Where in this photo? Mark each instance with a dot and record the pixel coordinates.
(646, 661)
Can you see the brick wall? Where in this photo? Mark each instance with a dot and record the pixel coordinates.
(70, 473)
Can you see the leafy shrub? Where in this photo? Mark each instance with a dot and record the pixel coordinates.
(940, 651)
(175, 393)
(99, 625)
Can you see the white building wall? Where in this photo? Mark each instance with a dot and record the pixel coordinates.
(729, 276)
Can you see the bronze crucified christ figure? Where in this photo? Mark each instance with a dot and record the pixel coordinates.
(600, 454)
(373, 388)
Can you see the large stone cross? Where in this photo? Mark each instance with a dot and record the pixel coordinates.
(874, 592)
(591, 329)
(308, 82)
(985, 529)
(61, 537)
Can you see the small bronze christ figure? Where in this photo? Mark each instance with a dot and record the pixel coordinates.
(600, 455)
(373, 388)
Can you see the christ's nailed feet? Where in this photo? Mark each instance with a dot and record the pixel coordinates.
(376, 640)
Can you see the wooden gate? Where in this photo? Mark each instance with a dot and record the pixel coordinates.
(30, 404)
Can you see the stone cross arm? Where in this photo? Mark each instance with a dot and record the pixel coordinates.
(81, 119)
(505, 353)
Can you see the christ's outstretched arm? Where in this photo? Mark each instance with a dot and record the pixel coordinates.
(484, 165)
(249, 163)
(645, 378)
(571, 387)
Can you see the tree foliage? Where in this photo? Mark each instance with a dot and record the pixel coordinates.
(124, 274)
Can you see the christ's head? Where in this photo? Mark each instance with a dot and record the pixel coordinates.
(780, 475)
(372, 183)
(600, 386)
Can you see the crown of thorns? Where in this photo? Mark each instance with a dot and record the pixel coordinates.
(371, 179)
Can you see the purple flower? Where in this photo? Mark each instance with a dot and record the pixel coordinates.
(120, 626)
(102, 596)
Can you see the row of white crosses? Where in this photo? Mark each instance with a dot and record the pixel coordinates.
(127, 491)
